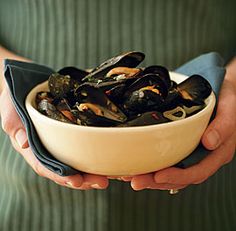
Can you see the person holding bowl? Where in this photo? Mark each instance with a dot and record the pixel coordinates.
(83, 33)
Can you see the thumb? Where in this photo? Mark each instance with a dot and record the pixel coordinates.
(11, 122)
(224, 124)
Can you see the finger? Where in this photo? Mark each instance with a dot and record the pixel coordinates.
(74, 181)
(200, 172)
(146, 181)
(11, 122)
(140, 182)
(95, 181)
(224, 124)
(168, 186)
(126, 178)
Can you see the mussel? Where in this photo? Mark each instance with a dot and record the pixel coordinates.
(129, 59)
(65, 80)
(48, 109)
(146, 118)
(145, 93)
(194, 90)
(92, 101)
(118, 93)
(61, 85)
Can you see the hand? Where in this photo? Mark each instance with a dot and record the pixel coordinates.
(220, 137)
(13, 126)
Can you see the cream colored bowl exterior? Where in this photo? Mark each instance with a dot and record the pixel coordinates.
(120, 151)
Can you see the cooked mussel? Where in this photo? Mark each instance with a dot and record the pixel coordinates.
(92, 99)
(75, 73)
(63, 106)
(194, 90)
(129, 59)
(60, 85)
(145, 93)
(48, 109)
(147, 118)
(161, 71)
(118, 93)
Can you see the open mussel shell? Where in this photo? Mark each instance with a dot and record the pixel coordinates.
(145, 93)
(146, 118)
(171, 101)
(161, 71)
(129, 59)
(47, 108)
(115, 94)
(89, 117)
(194, 90)
(60, 85)
(63, 106)
(74, 73)
(90, 98)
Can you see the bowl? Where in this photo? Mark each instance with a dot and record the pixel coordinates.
(123, 151)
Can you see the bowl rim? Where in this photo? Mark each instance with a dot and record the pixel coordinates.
(210, 101)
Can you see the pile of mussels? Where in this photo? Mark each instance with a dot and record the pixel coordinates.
(117, 93)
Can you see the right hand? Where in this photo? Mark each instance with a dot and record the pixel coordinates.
(12, 125)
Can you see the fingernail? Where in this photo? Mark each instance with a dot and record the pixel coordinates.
(136, 187)
(213, 139)
(96, 186)
(21, 138)
(69, 184)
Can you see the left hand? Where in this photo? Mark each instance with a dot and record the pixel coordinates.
(220, 137)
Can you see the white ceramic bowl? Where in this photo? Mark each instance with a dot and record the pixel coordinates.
(120, 151)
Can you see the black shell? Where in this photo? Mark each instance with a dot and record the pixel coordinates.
(161, 71)
(74, 73)
(129, 59)
(48, 109)
(60, 85)
(147, 118)
(89, 118)
(87, 93)
(194, 90)
(140, 98)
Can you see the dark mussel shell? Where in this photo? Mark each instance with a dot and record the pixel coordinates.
(60, 85)
(89, 118)
(74, 73)
(115, 94)
(172, 100)
(129, 59)
(145, 93)
(97, 100)
(48, 109)
(161, 71)
(194, 90)
(63, 106)
(147, 118)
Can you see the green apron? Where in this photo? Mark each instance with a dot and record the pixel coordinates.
(84, 33)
